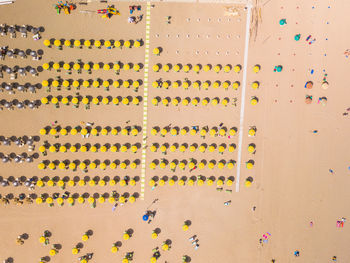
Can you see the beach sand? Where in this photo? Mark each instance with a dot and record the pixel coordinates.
(292, 185)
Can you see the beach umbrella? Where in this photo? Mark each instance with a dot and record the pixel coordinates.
(216, 85)
(95, 101)
(126, 236)
(39, 200)
(227, 68)
(111, 199)
(75, 100)
(195, 102)
(202, 148)
(217, 68)
(45, 83)
(47, 43)
(82, 166)
(114, 249)
(256, 68)
(237, 68)
(55, 84)
(126, 67)
(81, 183)
(206, 68)
(56, 66)
(96, 66)
(249, 165)
(125, 260)
(75, 251)
(117, 43)
(49, 200)
(67, 43)
(171, 182)
(52, 149)
(156, 51)
(185, 102)
(153, 259)
(136, 67)
(42, 239)
(248, 183)
(166, 68)
(251, 132)
(251, 149)
(103, 166)
(255, 85)
(41, 166)
(155, 84)
(107, 43)
(54, 100)
(226, 85)
(211, 165)
(73, 149)
(77, 43)
(151, 182)
(127, 43)
(101, 200)
(81, 200)
(106, 67)
(57, 43)
(87, 43)
(91, 200)
(165, 247)
(40, 183)
(254, 101)
(229, 182)
(46, 66)
(59, 201)
(186, 68)
(71, 183)
(104, 131)
(105, 101)
(230, 165)
(52, 252)
(155, 68)
(206, 85)
(219, 183)
(97, 43)
(201, 165)
(72, 166)
(70, 200)
(125, 101)
(76, 66)
(184, 227)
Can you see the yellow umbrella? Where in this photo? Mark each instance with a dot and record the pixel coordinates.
(46, 66)
(217, 68)
(103, 166)
(171, 182)
(154, 235)
(47, 43)
(76, 84)
(126, 67)
(248, 183)
(186, 68)
(214, 102)
(75, 251)
(156, 51)
(77, 43)
(254, 101)
(136, 67)
(225, 102)
(227, 68)
(127, 43)
(182, 148)
(42, 239)
(153, 259)
(86, 83)
(40, 183)
(210, 182)
(161, 182)
(117, 43)
(136, 84)
(200, 182)
(190, 182)
(132, 182)
(82, 166)
(105, 101)
(216, 85)
(114, 249)
(76, 66)
(249, 165)
(104, 131)
(85, 100)
(44, 100)
(230, 165)
(194, 102)
(206, 68)
(63, 149)
(106, 67)
(111, 199)
(91, 200)
(59, 200)
(52, 252)
(125, 101)
(45, 83)
(51, 166)
(166, 68)
(225, 85)
(177, 68)
(196, 68)
(126, 236)
(49, 200)
(185, 102)
(125, 260)
(86, 67)
(73, 149)
(39, 200)
(184, 227)
(256, 68)
(181, 182)
(155, 68)
(101, 199)
(97, 43)
(219, 183)
(72, 166)
(81, 200)
(229, 182)
(57, 43)
(70, 200)
(251, 149)
(202, 148)
(124, 132)
(67, 43)
(66, 66)
(255, 85)
(237, 68)
(206, 85)
(65, 83)
(81, 183)
(165, 247)
(116, 67)
(251, 132)
(62, 165)
(56, 66)
(95, 101)
(87, 43)
(54, 100)
(55, 84)
(107, 43)
(211, 165)
(114, 131)
(75, 100)
(96, 66)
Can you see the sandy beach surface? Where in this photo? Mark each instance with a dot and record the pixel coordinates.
(297, 190)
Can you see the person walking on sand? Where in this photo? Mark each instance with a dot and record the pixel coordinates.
(296, 253)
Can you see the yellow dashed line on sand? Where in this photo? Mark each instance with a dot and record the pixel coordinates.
(145, 100)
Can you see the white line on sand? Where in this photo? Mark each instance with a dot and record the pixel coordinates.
(244, 84)
(145, 95)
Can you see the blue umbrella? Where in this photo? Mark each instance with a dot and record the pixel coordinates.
(145, 217)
